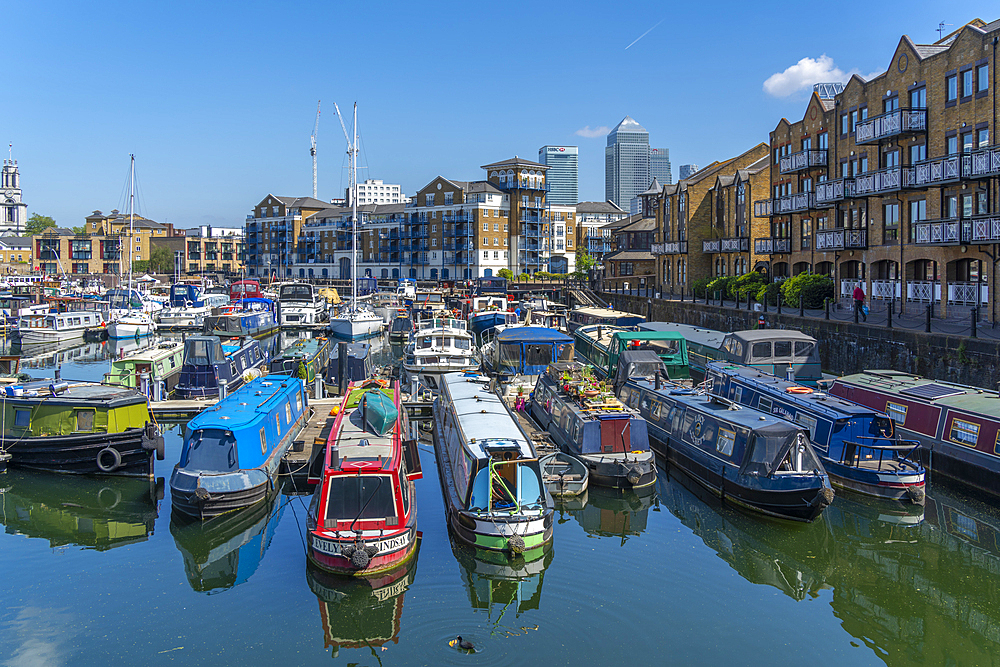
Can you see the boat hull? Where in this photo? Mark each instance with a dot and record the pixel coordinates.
(325, 552)
(353, 329)
(618, 471)
(34, 336)
(124, 330)
(88, 453)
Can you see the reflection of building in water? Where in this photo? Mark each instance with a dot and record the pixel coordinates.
(615, 513)
(492, 579)
(75, 510)
(50, 355)
(361, 612)
(225, 551)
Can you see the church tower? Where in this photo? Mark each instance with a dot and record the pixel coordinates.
(13, 212)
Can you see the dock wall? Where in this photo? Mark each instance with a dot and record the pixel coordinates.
(845, 347)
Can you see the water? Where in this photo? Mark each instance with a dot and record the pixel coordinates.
(98, 573)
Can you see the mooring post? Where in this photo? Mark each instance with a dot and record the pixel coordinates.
(927, 328)
(802, 305)
(826, 304)
(975, 316)
(342, 368)
(889, 321)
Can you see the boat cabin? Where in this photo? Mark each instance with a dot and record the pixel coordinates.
(491, 285)
(528, 350)
(549, 319)
(579, 317)
(601, 346)
(63, 322)
(245, 289)
(297, 293)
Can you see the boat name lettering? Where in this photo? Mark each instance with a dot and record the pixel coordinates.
(391, 544)
(389, 592)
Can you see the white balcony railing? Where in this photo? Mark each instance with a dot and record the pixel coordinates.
(923, 290)
(965, 293)
(884, 289)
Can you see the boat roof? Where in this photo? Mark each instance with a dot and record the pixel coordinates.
(532, 335)
(933, 392)
(303, 346)
(160, 351)
(481, 415)
(721, 410)
(251, 402)
(751, 335)
(79, 394)
(707, 337)
(605, 312)
(828, 405)
(357, 445)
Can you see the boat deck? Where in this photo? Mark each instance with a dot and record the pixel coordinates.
(314, 436)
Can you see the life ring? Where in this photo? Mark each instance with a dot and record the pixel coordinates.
(116, 459)
(799, 390)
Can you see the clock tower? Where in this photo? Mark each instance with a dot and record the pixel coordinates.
(13, 212)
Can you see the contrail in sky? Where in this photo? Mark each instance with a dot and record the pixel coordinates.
(644, 34)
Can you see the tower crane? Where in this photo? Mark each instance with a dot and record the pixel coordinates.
(312, 150)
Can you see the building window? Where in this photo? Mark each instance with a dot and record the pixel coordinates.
(486, 226)
(823, 141)
(951, 88)
(951, 144)
(496, 241)
(968, 83)
(844, 124)
(982, 138)
(486, 254)
(429, 200)
(805, 239)
(982, 78)
(496, 254)
(890, 219)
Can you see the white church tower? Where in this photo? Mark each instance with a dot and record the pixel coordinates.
(13, 212)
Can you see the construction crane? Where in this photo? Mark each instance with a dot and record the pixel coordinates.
(312, 150)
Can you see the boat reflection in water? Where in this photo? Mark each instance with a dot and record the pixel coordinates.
(225, 551)
(498, 583)
(93, 513)
(614, 513)
(359, 611)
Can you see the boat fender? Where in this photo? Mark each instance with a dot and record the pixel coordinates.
(360, 558)
(202, 494)
(916, 494)
(824, 497)
(633, 477)
(515, 544)
(103, 459)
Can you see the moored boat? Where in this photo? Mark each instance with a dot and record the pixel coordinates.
(363, 516)
(400, 328)
(564, 475)
(83, 428)
(600, 345)
(161, 363)
(250, 317)
(231, 452)
(189, 306)
(440, 346)
(589, 422)
(56, 327)
(858, 446)
(299, 303)
(305, 358)
(208, 363)
(489, 472)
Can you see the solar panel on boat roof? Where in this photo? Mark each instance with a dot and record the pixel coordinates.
(931, 391)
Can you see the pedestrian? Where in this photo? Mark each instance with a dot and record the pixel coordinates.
(859, 303)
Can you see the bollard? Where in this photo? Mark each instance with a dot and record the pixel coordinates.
(927, 328)
(975, 316)
(826, 304)
(682, 293)
(649, 310)
(765, 302)
(790, 374)
(342, 368)
(158, 391)
(889, 312)
(318, 387)
(223, 390)
(779, 303)
(802, 306)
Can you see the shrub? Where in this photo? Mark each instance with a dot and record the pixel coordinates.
(523, 276)
(720, 286)
(769, 292)
(698, 287)
(505, 273)
(748, 283)
(811, 288)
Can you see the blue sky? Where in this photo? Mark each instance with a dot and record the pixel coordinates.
(217, 99)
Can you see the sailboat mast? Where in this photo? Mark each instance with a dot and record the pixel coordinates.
(354, 212)
(131, 220)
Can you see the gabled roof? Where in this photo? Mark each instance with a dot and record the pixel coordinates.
(302, 202)
(515, 162)
(598, 207)
(640, 225)
(630, 256)
(654, 188)
(483, 186)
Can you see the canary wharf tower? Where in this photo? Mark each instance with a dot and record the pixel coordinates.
(626, 163)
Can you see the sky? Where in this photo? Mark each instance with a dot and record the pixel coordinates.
(217, 100)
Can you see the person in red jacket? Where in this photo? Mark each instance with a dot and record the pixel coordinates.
(859, 303)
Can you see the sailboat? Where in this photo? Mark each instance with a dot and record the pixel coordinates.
(126, 320)
(356, 320)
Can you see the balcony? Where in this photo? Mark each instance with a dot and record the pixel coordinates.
(530, 233)
(522, 185)
(802, 160)
(951, 231)
(762, 208)
(981, 163)
(800, 201)
(936, 172)
(457, 217)
(531, 217)
(669, 248)
(772, 246)
(841, 239)
(986, 229)
(890, 179)
(891, 124)
(715, 245)
(830, 192)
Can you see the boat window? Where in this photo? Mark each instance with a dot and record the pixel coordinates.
(761, 350)
(896, 412)
(529, 486)
(804, 348)
(655, 412)
(22, 418)
(726, 441)
(808, 422)
(764, 405)
(256, 352)
(635, 400)
(288, 412)
(277, 423)
(197, 353)
(537, 355)
(404, 488)
(263, 442)
(644, 405)
(210, 449)
(463, 343)
(510, 358)
(625, 394)
(298, 402)
(782, 348)
(159, 367)
(425, 342)
(564, 421)
(359, 497)
(964, 432)
(85, 420)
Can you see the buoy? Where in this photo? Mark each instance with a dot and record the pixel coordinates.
(334, 411)
(798, 390)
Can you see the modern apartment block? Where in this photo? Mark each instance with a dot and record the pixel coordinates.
(685, 171)
(373, 191)
(272, 233)
(594, 229)
(210, 249)
(894, 181)
(563, 174)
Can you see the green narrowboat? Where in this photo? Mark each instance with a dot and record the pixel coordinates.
(600, 346)
(163, 362)
(305, 359)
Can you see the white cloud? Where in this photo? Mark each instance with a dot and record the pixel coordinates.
(808, 71)
(593, 133)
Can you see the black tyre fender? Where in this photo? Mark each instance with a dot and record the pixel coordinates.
(104, 464)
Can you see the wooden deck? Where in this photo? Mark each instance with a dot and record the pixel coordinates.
(314, 436)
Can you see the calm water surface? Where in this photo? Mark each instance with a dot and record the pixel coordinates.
(98, 573)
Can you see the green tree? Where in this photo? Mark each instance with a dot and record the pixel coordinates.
(79, 230)
(505, 273)
(161, 260)
(37, 224)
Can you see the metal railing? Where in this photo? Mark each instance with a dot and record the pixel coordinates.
(714, 245)
(890, 124)
(669, 248)
(943, 232)
(829, 192)
(936, 171)
(799, 201)
(984, 162)
(986, 229)
(839, 239)
(772, 246)
(762, 208)
(802, 160)
(884, 180)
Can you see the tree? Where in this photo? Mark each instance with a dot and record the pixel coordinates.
(37, 224)
(79, 230)
(584, 263)
(161, 260)
(507, 274)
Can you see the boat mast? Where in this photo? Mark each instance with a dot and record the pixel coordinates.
(131, 220)
(354, 212)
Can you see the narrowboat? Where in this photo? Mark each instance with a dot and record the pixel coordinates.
(579, 317)
(440, 346)
(359, 363)
(752, 460)
(362, 519)
(361, 612)
(782, 352)
(549, 319)
(489, 473)
(82, 428)
(253, 318)
(299, 303)
(207, 362)
(226, 551)
(38, 328)
(526, 352)
(231, 452)
(400, 328)
(162, 363)
(306, 358)
(189, 306)
(957, 426)
(858, 446)
(587, 421)
(90, 513)
(600, 346)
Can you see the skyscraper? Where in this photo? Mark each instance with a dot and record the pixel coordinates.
(626, 163)
(659, 165)
(686, 170)
(562, 174)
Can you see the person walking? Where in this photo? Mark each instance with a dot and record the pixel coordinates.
(859, 303)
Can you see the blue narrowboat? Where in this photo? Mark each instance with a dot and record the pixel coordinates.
(526, 351)
(231, 451)
(586, 420)
(858, 446)
(752, 460)
(253, 317)
(207, 361)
